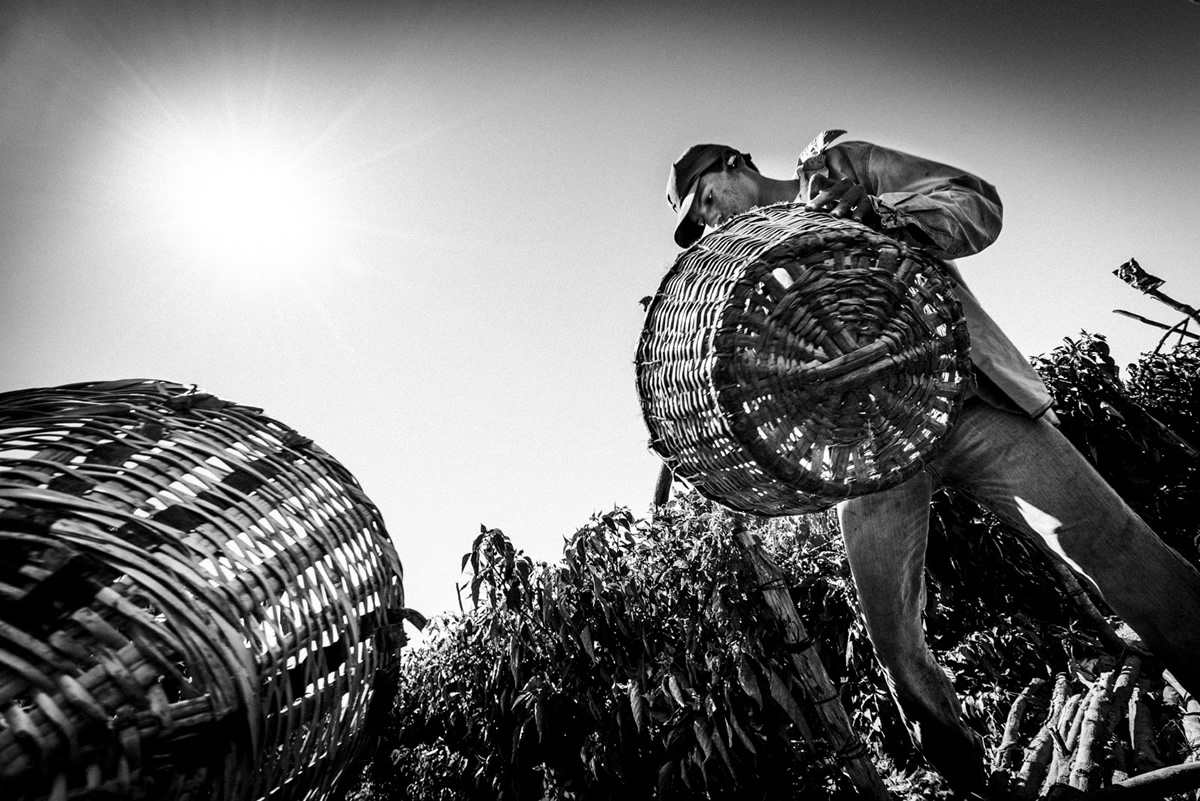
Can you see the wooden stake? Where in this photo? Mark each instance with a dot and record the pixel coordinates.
(1154, 785)
(817, 685)
(1141, 732)
(1009, 752)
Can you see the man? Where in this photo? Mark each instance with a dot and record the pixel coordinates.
(1005, 450)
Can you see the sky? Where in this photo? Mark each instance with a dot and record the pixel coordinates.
(418, 232)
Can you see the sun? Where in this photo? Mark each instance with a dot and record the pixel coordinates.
(239, 209)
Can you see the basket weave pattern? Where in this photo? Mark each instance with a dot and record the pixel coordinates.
(194, 599)
(791, 359)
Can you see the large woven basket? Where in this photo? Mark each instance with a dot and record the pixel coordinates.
(195, 600)
(791, 359)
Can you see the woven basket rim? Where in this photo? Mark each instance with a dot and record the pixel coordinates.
(846, 234)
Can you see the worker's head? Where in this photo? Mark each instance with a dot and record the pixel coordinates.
(707, 185)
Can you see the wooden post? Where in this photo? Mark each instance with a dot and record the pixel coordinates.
(1190, 709)
(1157, 784)
(817, 685)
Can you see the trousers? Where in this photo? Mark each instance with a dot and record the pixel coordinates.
(1028, 474)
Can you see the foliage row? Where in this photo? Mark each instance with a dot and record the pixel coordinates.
(645, 664)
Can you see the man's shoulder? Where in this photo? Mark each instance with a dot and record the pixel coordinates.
(824, 144)
(820, 143)
(853, 146)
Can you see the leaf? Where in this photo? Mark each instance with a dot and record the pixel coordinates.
(722, 749)
(514, 661)
(703, 737)
(676, 690)
(664, 778)
(748, 680)
(683, 771)
(637, 705)
(741, 734)
(785, 699)
(585, 637)
(512, 596)
(518, 735)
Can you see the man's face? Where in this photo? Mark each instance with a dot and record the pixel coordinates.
(721, 194)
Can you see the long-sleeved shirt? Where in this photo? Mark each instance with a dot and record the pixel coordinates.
(949, 213)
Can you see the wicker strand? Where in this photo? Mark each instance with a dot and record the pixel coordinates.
(791, 359)
(195, 600)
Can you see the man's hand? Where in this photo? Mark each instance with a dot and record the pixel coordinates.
(842, 198)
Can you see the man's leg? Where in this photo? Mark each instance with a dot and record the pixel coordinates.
(885, 534)
(1030, 475)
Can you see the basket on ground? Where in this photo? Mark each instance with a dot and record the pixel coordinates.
(791, 359)
(195, 600)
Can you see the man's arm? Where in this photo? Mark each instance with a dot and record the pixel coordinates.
(944, 209)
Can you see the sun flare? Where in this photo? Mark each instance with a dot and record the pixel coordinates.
(242, 209)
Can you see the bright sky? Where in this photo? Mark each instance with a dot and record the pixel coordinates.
(417, 232)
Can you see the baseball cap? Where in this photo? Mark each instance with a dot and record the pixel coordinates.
(681, 185)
